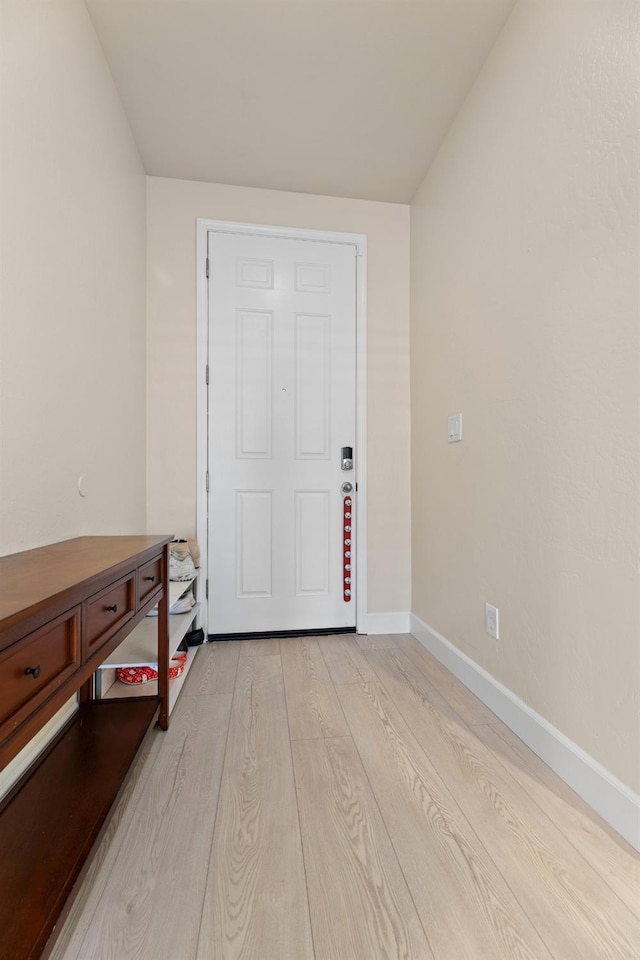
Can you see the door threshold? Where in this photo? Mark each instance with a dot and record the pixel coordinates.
(323, 632)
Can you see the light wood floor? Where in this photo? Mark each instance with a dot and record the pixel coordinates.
(346, 798)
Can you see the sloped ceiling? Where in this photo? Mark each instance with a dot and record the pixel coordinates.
(347, 98)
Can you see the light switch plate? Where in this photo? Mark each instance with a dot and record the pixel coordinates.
(455, 428)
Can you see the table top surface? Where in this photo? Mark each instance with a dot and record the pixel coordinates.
(35, 577)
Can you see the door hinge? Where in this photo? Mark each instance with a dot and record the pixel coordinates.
(207, 375)
(206, 589)
(207, 267)
(207, 481)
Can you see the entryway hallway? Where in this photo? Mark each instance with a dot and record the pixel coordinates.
(346, 797)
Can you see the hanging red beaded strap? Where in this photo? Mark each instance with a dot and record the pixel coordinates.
(346, 548)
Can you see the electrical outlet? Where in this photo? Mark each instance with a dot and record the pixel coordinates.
(454, 428)
(491, 621)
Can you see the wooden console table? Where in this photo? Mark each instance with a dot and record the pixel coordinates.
(63, 609)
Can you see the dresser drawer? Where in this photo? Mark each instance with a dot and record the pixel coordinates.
(108, 611)
(149, 579)
(33, 667)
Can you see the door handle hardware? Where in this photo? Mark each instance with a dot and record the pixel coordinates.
(346, 487)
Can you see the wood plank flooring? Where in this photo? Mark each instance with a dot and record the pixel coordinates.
(346, 798)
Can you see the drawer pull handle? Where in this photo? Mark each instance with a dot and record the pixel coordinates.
(113, 608)
(149, 578)
(33, 672)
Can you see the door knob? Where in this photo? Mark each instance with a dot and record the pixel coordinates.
(347, 487)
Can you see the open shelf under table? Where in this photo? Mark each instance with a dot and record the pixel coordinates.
(140, 648)
(51, 821)
(150, 689)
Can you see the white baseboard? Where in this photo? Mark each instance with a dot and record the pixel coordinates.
(394, 622)
(613, 800)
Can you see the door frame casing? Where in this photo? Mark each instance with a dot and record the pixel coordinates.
(357, 240)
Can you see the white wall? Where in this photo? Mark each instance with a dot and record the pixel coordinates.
(525, 317)
(72, 285)
(173, 207)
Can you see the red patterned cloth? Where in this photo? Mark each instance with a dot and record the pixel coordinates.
(145, 674)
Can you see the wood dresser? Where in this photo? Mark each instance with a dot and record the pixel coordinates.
(63, 609)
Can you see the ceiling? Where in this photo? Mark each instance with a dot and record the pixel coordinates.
(346, 98)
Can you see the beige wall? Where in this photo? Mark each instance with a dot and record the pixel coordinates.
(173, 207)
(525, 317)
(72, 285)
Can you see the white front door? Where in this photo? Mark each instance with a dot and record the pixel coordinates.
(282, 405)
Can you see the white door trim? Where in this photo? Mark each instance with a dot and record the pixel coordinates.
(359, 241)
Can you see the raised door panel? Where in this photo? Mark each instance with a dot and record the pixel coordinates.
(251, 272)
(254, 574)
(312, 278)
(313, 386)
(312, 542)
(254, 366)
